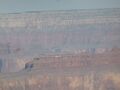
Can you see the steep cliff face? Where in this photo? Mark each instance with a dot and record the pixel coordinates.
(12, 64)
(76, 49)
(27, 35)
(59, 19)
(67, 72)
(66, 62)
(59, 31)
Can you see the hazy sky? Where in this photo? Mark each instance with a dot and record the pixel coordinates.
(11, 6)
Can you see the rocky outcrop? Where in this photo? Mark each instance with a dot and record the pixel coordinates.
(27, 35)
(59, 31)
(73, 50)
(67, 72)
(108, 59)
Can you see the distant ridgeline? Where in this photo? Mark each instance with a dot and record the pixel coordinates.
(60, 31)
